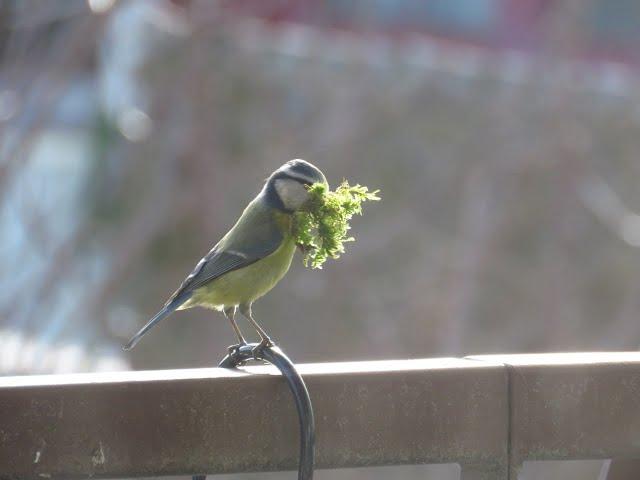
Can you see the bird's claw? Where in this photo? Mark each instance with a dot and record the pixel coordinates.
(257, 350)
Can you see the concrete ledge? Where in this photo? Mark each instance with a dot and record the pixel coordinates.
(215, 421)
(573, 406)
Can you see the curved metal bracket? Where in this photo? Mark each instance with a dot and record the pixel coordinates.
(275, 356)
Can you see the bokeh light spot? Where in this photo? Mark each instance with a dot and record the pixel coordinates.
(134, 124)
(100, 6)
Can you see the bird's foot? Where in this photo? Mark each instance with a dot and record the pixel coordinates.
(258, 349)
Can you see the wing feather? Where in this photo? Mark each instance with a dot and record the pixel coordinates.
(255, 236)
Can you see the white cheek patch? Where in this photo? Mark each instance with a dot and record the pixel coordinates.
(293, 194)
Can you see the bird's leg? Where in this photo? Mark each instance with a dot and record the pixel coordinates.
(230, 313)
(245, 309)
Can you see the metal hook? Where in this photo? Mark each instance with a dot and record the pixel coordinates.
(275, 356)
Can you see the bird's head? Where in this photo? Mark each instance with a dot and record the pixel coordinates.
(286, 188)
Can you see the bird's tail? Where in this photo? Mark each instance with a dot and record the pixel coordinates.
(167, 310)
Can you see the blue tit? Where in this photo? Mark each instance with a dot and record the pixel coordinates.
(252, 257)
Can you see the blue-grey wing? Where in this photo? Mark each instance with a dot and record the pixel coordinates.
(255, 236)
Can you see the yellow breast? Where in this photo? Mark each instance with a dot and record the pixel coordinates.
(246, 284)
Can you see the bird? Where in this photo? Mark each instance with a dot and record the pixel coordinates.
(251, 258)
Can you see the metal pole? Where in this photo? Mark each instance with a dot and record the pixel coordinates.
(275, 356)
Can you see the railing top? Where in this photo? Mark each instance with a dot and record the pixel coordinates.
(570, 358)
(330, 368)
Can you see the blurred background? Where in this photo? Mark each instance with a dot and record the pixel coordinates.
(503, 134)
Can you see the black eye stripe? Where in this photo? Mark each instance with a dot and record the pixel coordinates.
(303, 179)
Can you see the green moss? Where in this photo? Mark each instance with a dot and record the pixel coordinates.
(321, 229)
